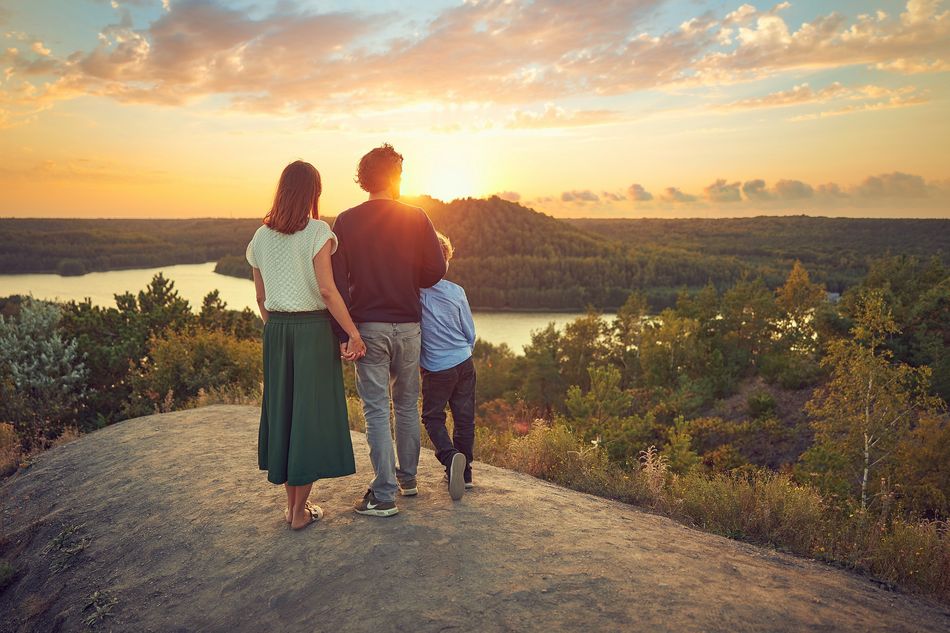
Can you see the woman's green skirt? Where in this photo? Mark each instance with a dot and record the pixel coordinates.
(304, 433)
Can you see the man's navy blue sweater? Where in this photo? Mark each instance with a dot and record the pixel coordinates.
(386, 252)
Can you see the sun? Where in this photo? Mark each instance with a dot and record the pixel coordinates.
(445, 176)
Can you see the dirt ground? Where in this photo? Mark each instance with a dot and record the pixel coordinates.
(164, 523)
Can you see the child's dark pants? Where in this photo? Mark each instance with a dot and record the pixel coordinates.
(456, 387)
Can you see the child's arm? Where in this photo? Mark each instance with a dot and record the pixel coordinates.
(468, 322)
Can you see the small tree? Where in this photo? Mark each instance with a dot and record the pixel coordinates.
(799, 298)
(42, 373)
(868, 405)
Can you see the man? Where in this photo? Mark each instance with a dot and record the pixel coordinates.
(387, 252)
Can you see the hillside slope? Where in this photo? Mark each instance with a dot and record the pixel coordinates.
(169, 520)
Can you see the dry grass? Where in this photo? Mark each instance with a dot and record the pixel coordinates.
(757, 506)
(230, 394)
(69, 434)
(10, 452)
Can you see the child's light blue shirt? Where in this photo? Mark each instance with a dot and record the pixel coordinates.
(448, 330)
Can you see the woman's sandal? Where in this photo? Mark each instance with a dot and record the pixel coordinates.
(315, 512)
(308, 505)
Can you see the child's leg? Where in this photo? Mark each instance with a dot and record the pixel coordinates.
(437, 387)
(462, 403)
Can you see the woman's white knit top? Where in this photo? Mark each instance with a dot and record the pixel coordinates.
(286, 265)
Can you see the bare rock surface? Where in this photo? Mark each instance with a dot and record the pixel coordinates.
(164, 523)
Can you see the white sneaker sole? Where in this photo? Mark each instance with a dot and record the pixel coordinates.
(379, 513)
(409, 492)
(457, 477)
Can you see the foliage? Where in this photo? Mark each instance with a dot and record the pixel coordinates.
(42, 375)
(921, 475)
(181, 365)
(870, 402)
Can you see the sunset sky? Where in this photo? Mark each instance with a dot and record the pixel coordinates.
(644, 108)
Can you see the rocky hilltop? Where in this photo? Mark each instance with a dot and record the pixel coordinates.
(164, 523)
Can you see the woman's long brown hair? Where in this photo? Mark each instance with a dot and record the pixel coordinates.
(296, 200)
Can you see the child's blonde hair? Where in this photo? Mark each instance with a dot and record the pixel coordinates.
(446, 244)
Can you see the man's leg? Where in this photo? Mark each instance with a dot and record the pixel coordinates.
(404, 369)
(462, 404)
(437, 386)
(372, 383)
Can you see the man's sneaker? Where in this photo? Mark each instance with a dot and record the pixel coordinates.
(457, 476)
(409, 488)
(469, 485)
(370, 506)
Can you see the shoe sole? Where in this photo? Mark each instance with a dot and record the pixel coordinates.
(378, 513)
(409, 492)
(469, 486)
(457, 477)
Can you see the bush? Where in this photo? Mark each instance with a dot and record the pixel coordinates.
(42, 375)
(183, 364)
(761, 404)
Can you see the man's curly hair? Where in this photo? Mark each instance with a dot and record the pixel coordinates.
(378, 168)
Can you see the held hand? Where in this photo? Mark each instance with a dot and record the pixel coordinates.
(343, 353)
(356, 348)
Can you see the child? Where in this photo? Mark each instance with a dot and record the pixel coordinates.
(448, 376)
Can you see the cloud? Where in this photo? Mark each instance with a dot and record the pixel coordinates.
(674, 195)
(792, 190)
(511, 196)
(797, 95)
(580, 197)
(638, 194)
(755, 190)
(831, 190)
(498, 52)
(722, 191)
(893, 185)
(612, 197)
(914, 66)
(765, 45)
(553, 117)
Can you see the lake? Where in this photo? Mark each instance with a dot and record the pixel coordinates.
(194, 281)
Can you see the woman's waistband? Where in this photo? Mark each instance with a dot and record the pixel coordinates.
(299, 317)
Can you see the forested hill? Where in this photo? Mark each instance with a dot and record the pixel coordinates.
(835, 250)
(75, 247)
(511, 257)
(498, 228)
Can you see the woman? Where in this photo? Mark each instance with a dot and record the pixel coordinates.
(304, 433)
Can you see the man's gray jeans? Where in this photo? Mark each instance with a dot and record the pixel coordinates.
(391, 364)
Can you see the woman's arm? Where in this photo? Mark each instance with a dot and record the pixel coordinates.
(323, 268)
(259, 289)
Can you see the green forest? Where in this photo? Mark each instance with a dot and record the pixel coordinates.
(511, 257)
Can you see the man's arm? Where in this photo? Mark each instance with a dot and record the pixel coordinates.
(431, 261)
(341, 276)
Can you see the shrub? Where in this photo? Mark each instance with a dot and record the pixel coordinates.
(183, 364)
(761, 404)
(41, 374)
